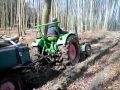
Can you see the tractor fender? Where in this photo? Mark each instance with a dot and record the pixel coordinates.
(63, 38)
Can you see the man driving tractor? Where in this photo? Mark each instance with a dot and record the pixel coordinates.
(54, 30)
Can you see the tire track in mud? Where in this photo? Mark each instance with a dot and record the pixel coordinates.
(112, 84)
(100, 72)
(50, 84)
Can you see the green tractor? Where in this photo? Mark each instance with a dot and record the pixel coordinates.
(63, 48)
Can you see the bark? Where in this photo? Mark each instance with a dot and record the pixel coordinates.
(46, 14)
(91, 15)
(11, 17)
(3, 15)
(21, 16)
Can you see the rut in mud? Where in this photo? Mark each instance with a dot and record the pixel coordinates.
(102, 71)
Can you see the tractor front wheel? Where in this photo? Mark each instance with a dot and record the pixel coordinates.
(88, 50)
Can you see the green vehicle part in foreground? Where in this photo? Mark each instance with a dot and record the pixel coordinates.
(64, 48)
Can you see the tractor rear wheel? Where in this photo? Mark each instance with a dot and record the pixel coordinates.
(11, 84)
(71, 51)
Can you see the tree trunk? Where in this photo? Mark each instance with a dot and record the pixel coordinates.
(46, 14)
(21, 16)
(91, 15)
(3, 15)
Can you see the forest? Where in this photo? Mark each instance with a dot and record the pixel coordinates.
(83, 55)
(85, 15)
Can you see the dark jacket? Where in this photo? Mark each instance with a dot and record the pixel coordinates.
(53, 30)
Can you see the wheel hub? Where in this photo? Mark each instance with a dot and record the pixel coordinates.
(88, 50)
(72, 51)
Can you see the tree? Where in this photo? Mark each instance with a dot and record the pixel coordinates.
(21, 5)
(46, 14)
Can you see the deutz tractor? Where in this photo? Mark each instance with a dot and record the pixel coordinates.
(63, 48)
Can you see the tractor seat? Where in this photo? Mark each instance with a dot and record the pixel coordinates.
(52, 38)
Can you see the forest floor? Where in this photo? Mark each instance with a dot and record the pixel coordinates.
(102, 74)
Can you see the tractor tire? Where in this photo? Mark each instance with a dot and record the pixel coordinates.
(88, 50)
(71, 51)
(11, 84)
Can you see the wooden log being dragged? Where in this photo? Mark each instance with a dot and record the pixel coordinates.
(72, 73)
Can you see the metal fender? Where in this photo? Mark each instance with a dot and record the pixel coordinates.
(62, 39)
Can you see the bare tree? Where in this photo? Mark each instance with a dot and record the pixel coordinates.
(21, 16)
(81, 14)
(46, 14)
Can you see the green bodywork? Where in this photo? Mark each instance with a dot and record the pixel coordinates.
(50, 44)
(59, 41)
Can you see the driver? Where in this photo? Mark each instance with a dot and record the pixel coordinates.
(53, 29)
